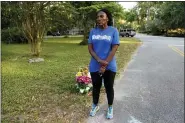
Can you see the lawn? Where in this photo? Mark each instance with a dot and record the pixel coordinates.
(44, 92)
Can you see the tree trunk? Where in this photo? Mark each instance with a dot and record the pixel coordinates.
(36, 49)
(85, 37)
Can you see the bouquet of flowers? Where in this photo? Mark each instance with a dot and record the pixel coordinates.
(83, 80)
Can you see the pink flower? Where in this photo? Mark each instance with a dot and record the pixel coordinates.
(84, 79)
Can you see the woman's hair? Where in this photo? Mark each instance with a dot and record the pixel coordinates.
(109, 15)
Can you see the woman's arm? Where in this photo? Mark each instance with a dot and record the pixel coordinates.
(115, 44)
(93, 54)
(112, 53)
(109, 58)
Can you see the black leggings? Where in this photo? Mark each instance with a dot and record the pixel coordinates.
(108, 77)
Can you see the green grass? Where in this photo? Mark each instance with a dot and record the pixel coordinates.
(44, 92)
(129, 40)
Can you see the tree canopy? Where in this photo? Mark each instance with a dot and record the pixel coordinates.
(157, 17)
(31, 20)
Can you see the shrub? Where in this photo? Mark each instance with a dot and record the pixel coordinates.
(66, 36)
(176, 32)
(13, 35)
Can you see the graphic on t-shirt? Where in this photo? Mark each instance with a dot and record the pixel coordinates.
(101, 37)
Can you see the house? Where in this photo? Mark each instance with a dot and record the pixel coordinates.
(75, 31)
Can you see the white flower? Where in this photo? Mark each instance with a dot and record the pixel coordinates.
(89, 75)
(87, 88)
(90, 85)
(77, 86)
(81, 91)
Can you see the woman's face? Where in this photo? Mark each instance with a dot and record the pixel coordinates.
(101, 18)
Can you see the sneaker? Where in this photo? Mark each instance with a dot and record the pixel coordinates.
(110, 112)
(94, 109)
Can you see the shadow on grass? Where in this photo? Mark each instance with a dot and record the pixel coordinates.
(12, 56)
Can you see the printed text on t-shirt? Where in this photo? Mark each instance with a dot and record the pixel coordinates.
(101, 37)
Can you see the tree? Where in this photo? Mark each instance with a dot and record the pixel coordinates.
(33, 22)
(159, 17)
(130, 16)
(85, 17)
(10, 14)
(87, 14)
(145, 12)
(62, 17)
(29, 18)
(11, 29)
(172, 15)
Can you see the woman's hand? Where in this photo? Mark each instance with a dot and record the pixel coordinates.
(103, 62)
(102, 69)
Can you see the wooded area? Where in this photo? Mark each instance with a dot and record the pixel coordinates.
(24, 22)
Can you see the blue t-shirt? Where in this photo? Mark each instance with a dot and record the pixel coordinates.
(102, 41)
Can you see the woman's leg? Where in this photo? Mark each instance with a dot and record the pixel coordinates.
(97, 83)
(109, 82)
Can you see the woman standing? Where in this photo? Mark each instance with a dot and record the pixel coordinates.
(102, 44)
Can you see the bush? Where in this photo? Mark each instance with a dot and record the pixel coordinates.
(153, 27)
(13, 35)
(176, 32)
(66, 36)
(142, 29)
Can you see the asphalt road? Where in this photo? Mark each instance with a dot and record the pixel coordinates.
(151, 89)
